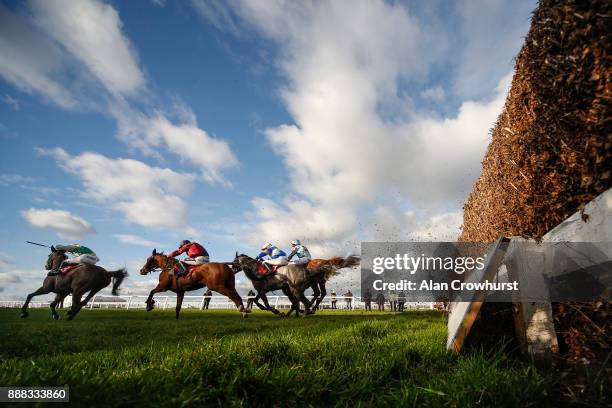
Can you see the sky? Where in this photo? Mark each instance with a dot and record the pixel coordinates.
(128, 126)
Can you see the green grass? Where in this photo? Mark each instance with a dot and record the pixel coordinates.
(127, 358)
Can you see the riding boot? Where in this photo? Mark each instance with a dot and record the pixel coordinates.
(182, 270)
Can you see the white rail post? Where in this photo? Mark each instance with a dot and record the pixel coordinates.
(165, 302)
(276, 302)
(93, 300)
(127, 307)
(202, 303)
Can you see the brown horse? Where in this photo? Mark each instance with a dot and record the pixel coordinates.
(214, 275)
(318, 281)
(85, 278)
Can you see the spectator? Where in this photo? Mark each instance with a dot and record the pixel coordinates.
(393, 301)
(380, 301)
(367, 300)
(333, 300)
(207, 296)
(401, 301)
(349, 299)
(250, 299)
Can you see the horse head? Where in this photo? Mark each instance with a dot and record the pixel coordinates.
(155, 261)
(242, 261)
(55, 259)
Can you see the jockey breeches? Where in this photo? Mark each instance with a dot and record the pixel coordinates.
(198, 260)
(301, 261)
(280, 261)
(90, 259)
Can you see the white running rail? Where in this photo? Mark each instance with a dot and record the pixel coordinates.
(216, 302)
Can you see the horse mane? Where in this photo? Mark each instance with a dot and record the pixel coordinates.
(167, 259)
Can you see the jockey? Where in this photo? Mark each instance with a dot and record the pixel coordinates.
(303, 255)
(196, 254)
(273, 255)
(81, 254)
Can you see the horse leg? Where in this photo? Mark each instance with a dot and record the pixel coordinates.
(270, 308)
(76, 303)
(321, 296)
(256, 301)
(295, 303)
(300, 295)
(234, 297)
(58, 299)
(40, 291)
(179, 302)
(91, 294)
(316, 294)
(150, 302)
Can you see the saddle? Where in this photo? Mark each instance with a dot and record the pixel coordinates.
(64, 271)
(190, 269)
(263, 271)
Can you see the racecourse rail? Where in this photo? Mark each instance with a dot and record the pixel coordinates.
(197, 302)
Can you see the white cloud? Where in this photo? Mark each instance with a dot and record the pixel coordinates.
(30, 61)
(91, 31)
(12, 102)
(136, 240)
(349, 164)
(194, 145)
(5, 261)
(63, 223)
(491, 33)
(7, 278)
(145, 195)
(435, 94)
(64, 40)
(6, 179)
(218, 13)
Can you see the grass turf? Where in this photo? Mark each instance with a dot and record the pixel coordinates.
(126, 358)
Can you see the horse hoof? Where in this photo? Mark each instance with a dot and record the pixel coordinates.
(55, 316)
(283, 314)
(245, 315)
(24, 315)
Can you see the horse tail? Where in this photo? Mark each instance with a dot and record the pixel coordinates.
(348, 262)
(330, 273)
(327, 270)
(118, 276)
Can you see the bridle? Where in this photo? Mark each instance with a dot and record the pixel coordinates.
(168, 263)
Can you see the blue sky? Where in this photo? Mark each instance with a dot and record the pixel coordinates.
(128, 125)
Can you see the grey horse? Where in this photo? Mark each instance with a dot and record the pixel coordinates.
(85, 278)
(292, 279)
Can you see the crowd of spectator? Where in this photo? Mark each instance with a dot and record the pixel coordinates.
(396, 301)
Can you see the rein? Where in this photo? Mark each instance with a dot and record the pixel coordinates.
(169, 263)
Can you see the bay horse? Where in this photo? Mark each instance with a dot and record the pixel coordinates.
(214, 275)
(85, 278)
(292, 279)
(318, 281)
